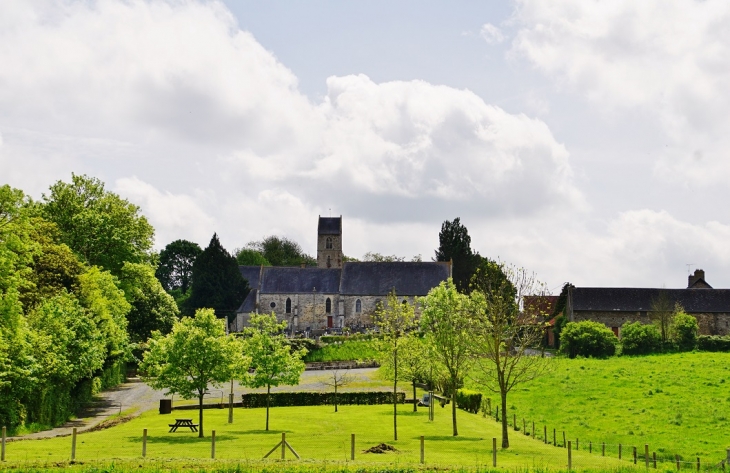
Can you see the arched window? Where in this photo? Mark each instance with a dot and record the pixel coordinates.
(328, 306)
(358, 306)
(328, 243)
(288, 305)
(329, 262)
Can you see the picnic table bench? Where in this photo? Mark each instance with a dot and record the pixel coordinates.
(183, 423)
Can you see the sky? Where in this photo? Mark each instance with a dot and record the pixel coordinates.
(583, 140)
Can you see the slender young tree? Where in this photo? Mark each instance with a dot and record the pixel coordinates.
(507, 325)
(413, 363)
(395, 320)
(272, 360)
(446, 324)
(196, 354)
(337, 379)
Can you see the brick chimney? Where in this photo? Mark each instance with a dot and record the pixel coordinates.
(697, 280)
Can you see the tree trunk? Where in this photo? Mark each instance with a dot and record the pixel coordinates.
(395, 395)
(415, 402)
(453, 408)
(335, 397)
(268, 402)
(505, 430)
(200, 414)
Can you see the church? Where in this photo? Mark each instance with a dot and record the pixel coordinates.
(335, 294)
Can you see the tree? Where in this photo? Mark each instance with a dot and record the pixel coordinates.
(684, 330)
(337, 379)
(587, 338)
(506, 325)
(394, 321)
(195, 354)
(99, 226)
(447, 326)
(175, 269)
(151, 307)
(272, 361)
(640, 339)
(662, 313)
(455, 245)
(413, 363)
(250, 257)
(281, 251)
(217, 281)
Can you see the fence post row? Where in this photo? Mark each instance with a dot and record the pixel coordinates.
(570, 456)
(73, 445)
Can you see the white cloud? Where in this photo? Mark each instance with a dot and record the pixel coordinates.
(491, 34)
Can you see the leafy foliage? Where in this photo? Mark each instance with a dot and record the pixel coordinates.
(281, 251)
(588, 339)
(217, 281)
(151, 307)
(684, 331)
(175, 268)
(99, 226)
(469, 400)
(250, 257)
(713, 343)
(640, 339)
(196, 354)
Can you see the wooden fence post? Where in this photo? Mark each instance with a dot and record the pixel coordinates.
(73, 444)
(144, 443)
(634, 452)
(698, 463)
(576, 445)
(590, 446)
(496, 413)
(603, 450)
(514, 421)
(283, 445)
(2, 452)
(676, 457)
(564, 443)
(619, 451)
(570, 456)
(555, 443)
(494, 451)
(524, 426)
(544, 433)
(423, 450)
(212, 444)
(352, 447)
(533, 429)
(646, 455)
(654, 457)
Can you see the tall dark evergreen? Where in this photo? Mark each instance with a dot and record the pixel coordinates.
(217, 282)
(175, 271)
(455, 244)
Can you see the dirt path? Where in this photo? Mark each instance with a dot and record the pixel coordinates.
(136, 397)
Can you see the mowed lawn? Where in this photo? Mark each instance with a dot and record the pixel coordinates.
(316, 433)
(678, 404)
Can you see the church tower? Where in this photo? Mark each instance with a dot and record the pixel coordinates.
(329, 242)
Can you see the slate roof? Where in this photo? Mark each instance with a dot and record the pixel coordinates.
(329, 226)
(282, 280)
(249, 303)
(378, 279)
(251, 274)
(639, 299)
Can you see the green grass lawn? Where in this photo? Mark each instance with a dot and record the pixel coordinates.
(678, 403)
(316, 433)
(355, 350)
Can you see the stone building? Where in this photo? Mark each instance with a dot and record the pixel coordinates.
(614, 306)
(336, 294)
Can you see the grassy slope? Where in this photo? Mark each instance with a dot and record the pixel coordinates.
(317, 433)
(677, 403)
(360, 350)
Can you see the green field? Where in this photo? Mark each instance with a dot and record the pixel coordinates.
(316, 433)
(678, 403)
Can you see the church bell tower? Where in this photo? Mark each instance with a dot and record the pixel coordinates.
(329, 242)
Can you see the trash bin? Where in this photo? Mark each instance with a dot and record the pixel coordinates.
(165, 406)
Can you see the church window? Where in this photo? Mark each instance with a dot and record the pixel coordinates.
(328, 243)
(328, 305)
(358, 306)
(288, 305)
(272, 305)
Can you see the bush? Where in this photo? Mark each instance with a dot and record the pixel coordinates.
(586, 338)
(713, 343)
(640, 339)
(297, 344)
(684, 331)
(468, 400)
(288, 399)
(327, 339)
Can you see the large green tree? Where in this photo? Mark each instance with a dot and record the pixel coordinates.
(195, 354)
(455, 245)
(99, 226)
(273, 362)
(217, 281)
(281, 251)
(447, 325)
(175, 269)
(394, 321)
(251, 257)
(151, 307)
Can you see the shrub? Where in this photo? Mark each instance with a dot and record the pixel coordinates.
(640, 339)
(684, 331)
(303, 398)
(468, 400)
(327, 339)
(587, 338)
(713, 343)
(297, 344)
(346, 351)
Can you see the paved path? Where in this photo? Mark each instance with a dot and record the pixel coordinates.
(137, 397)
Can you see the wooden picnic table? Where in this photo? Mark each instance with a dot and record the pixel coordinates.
(183, 423)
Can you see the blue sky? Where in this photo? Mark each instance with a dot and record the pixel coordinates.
(583, 140)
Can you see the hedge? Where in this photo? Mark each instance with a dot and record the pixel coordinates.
(713, 343)
(305, 398)
(468, 400)
(588, 339)
(327, 339)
